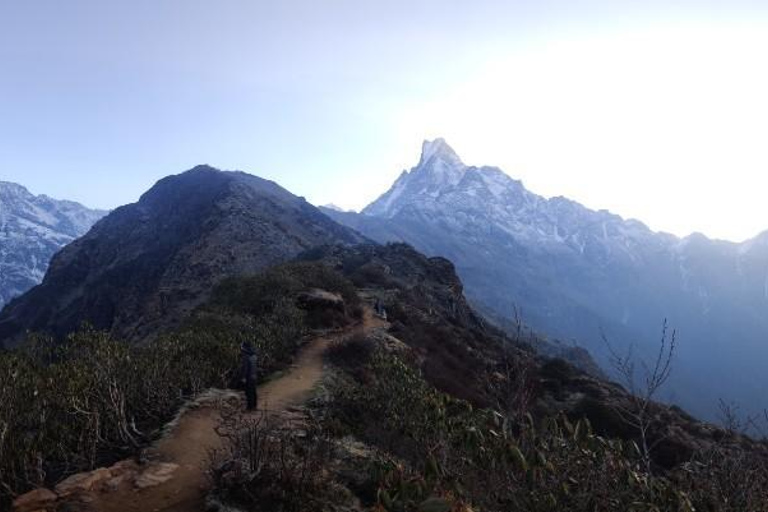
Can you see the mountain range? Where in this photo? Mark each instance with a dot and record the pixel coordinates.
(147, 264)
(585, 276)
(579, 277)
(207, 260)
(32, 229)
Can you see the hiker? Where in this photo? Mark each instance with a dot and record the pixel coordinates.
(248, 373)
(378, 308)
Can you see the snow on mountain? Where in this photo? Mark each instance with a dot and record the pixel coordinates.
(333, 207)
(472, 198)
(578, 273)
(439, 169)
(32, 229)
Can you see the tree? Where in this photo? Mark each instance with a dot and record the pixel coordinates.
(637, 412)
(515, 389)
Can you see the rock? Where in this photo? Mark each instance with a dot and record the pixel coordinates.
(82, 482)
(320, 299)
(155, 475)
(389, 343)
(35, 501)
(123, 467)
(114, 483)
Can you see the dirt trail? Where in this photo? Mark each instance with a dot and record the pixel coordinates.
(190, 442)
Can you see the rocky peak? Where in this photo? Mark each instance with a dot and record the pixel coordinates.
(10, 190)
(439, 169)
(32, 229)
(439, 150)
(146, 265)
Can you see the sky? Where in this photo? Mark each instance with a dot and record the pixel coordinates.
(653, 110)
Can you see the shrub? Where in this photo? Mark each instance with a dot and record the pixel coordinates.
(462, 455)
(266, 468)
(257, 294)
(89, 400)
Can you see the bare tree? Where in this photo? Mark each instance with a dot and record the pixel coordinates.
(643, 389)
(514, 390)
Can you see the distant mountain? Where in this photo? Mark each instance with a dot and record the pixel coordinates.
(147, 264)
(576, 272)
(331, 206)
(32, 229)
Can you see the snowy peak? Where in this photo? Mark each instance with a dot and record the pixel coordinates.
(439, 169)
(10, 191)
(66, 217)
(32, 229)
(441, 181)
(439, 150)
(439, 166)
(475, 199)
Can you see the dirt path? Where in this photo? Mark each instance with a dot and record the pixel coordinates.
(175, 479)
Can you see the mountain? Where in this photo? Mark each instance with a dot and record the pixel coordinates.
(32, 229)
(578, 274)
(146, 265)
(415, 394)
(331, 206)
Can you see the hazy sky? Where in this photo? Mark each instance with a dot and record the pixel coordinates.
(654, 110)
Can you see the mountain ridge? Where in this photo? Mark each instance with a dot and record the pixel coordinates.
(149, 263)
(32, 229)
(578, 273)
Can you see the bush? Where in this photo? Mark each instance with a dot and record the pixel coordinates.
(352, 353)
(256, 295)
(460, 455)
(90, 400)
(265, 468)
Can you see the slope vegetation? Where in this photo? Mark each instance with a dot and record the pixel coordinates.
(147, 265)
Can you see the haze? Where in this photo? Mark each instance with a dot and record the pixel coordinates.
(653, 111)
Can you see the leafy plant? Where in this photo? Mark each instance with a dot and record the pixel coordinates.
(71, 405)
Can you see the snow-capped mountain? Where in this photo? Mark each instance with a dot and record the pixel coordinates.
(578, 273)
(32, 229)
(470, 198)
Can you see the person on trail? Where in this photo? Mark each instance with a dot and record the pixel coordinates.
(248, 373)
(378, 308)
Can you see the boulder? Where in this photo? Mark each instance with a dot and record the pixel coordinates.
(38, 500)
(155, 475)
(320, 299)
(82, 482)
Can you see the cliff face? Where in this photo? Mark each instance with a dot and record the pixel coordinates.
(146, 265)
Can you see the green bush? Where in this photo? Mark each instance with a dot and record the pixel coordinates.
(457, 455)
(89, 400)
(256, 294)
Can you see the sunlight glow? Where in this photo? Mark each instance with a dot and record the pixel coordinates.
(676, 114)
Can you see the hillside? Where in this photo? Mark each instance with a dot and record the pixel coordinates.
(435, 409)
(577, 273)
(32, 229)
(148, 264)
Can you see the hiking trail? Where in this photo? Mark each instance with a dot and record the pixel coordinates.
(174, 479)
